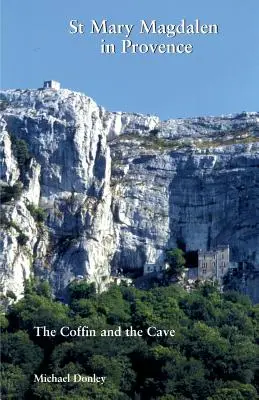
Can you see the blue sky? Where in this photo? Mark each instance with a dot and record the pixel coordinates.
(220, 77)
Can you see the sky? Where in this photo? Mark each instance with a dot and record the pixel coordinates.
(221, 76)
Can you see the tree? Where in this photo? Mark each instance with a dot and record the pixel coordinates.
(18, 349)
(176, 260)
(235, 391)
(81, 290)
(20, 150)
(212, 356)
(14, 382)
(3, 321)
(34, 310)
(44, 289)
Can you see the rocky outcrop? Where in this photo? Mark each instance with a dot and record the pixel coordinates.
(117, 189)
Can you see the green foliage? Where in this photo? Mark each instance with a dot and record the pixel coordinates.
(235, 391)
(3, 321)
(236, 297)
(22, 239)
(213, 355)
(44, 289)
(20, 151)
(224, 138)
(35, 310)
(8, 193)
(81, 290)
(37, 212)
(176, 260)
(14, 382)
(12, 224)
(11, 295)
(18, 349)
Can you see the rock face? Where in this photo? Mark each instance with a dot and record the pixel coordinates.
(118, 189)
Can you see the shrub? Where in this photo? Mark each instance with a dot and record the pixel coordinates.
(22, 239)
(154, 131)
(37, 212)
(20, 151)
(8, 193)
(11, 294)
(12, 224)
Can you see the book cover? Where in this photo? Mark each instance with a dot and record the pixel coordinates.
(129, 237)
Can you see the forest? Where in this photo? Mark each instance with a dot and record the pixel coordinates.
(213, 355)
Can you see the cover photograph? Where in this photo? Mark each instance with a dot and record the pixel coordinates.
(129, 200)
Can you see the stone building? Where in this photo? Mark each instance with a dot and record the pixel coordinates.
(213, 264)
(51, 85)
(151, 268)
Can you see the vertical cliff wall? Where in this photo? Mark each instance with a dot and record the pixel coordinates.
(117, 189)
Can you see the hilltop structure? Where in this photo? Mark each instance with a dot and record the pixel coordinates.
(51, 85)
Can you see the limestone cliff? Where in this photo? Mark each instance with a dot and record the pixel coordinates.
(117, 189)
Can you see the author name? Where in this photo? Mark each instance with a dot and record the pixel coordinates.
(76, 378)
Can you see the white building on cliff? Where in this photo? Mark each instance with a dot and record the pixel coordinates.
(51, 85)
